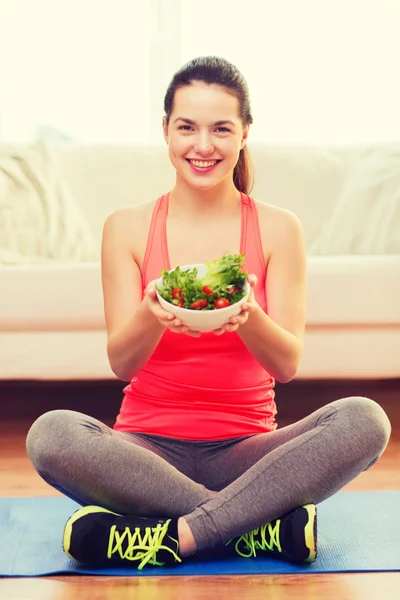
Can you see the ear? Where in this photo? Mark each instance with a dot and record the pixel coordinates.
(244, 136)
(165, 128)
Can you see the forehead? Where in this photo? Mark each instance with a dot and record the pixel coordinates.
(210, 101)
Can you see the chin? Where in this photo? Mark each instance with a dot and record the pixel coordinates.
(202, 186)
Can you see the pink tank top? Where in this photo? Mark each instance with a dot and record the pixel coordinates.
(206, 388)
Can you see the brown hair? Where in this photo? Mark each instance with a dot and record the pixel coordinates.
(216, 70)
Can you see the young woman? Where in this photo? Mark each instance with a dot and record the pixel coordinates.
(195, 463)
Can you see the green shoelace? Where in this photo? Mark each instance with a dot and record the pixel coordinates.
(265, 541)
(139, 546)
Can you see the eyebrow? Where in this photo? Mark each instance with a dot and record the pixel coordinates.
(190, 122)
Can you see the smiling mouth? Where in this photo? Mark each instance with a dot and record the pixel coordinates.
(203, 163)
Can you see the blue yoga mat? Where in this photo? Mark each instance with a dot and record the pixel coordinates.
(357, 531)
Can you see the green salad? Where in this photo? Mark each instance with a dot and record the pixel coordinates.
(221, 286)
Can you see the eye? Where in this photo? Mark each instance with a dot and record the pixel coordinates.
(187, 127)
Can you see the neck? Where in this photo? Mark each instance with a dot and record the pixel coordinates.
(218, 202)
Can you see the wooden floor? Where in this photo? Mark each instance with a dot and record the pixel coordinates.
(18, 478)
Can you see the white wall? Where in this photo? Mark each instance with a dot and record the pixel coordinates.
(319, 71)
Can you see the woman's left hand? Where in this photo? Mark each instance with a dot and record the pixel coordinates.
(248, 307)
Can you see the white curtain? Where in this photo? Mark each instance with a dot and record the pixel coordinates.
(96, 71)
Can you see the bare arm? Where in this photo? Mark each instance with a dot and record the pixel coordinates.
(276, 339)
(133, 332)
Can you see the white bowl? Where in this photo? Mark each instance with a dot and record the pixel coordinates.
(203, 320)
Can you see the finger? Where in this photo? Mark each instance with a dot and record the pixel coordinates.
(171, 325)
(178, 327)
(245, 314)
(164, 315)
(230, 327)
(195, 334)
(156, 306)
(166, 319)
(151, 286)
(152, 297)
(252, 279)
(238, 319)
(187, 331)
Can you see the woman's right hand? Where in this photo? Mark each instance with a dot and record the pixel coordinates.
(166, 318)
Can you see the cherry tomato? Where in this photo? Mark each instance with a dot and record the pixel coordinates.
(176, 293)
(199, 304)
(232, 289)
(178, 302)
(221, 303)
(207, 290)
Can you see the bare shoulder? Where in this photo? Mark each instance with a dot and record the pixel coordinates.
(129, 225)
(276, 217)
(277, 226)
(126, 217)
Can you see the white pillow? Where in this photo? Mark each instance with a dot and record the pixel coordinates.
(366, 217)
(39, 220)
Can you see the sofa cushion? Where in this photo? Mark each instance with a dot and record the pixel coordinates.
(303, 179)
(366, 217)
(63, 297)
(39, 220)
(352, 290)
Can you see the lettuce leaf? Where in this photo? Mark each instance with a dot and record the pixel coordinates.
(224, 276)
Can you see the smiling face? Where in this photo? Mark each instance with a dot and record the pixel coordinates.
(205, 134)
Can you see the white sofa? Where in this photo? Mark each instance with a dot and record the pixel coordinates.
(51, 315)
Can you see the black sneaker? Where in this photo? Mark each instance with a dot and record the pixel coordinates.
(96, 536)
(293, 537)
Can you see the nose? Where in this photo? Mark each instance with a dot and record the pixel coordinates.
(204, 145)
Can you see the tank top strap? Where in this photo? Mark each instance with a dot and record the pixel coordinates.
(251, 244)
(156, 254)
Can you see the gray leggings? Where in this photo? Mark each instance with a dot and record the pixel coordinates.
(223, 488)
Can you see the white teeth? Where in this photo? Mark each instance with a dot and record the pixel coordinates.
(198, 163)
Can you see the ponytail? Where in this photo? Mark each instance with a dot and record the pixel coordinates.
(243, 176)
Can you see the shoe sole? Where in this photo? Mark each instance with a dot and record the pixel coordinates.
(311, 532)
(78, 514)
